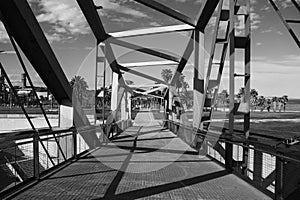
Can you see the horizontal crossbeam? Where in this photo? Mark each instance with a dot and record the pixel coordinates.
(149, 63)
(142, 49)
(151, 31)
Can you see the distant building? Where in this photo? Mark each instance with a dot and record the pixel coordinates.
(25, 93)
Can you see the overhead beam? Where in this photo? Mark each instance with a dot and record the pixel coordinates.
(147, 86)
(141, 74)
(167, 11)
(152, 31)
(148, 63)
(90, 12)
(152, 90)
(142, 49)
(20, 21)
(207, 10)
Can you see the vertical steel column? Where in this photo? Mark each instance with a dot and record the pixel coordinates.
(257, 167)
(279, 179)
(75, 144)
(247, 59)
(104, 70)
(247, 69)
(36, 169)
(198, 78)
(96, 82)
(228, 147)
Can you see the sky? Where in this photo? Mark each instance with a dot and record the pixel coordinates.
(275, 56)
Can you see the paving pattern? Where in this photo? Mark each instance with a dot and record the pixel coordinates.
(144, 162)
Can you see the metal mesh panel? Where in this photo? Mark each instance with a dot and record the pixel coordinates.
(81, 144)
(215, 153)
(268, 166)
(250, 163)
(237, 152)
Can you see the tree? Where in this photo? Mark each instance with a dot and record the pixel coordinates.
(181, 84)
(166, 75)
(79, 86)
(253, 98)
(261, 102)
(185, 95)
(253, 93)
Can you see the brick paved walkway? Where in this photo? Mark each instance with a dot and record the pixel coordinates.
(145, 162)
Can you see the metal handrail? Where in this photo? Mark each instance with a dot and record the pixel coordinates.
(243, 142)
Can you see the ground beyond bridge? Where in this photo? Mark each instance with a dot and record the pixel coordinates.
(144, 162)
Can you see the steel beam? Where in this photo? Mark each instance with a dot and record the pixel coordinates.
(209, 82)
(198, 89)
(296, 4)
(142, 49)
(89, 11)
(228, 147)
(247, 60)
(23, 26)
(292, 33)
(182, 63)
(141, 74)
(152, 31)
(149, 63)
(205, 14)
(207, 10)
(167, 11)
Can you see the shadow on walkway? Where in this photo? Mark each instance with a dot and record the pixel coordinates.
(165, 187)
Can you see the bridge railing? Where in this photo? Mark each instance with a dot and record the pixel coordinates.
(273, 171)
(27, 156)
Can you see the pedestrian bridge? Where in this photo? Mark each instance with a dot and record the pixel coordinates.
(146, 161)
(184, 150)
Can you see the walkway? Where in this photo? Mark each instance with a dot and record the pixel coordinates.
(144, 162)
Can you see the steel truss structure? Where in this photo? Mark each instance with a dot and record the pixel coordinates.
(17, 15)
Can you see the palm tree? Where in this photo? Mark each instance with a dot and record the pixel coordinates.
(79, 86)
(166, 75)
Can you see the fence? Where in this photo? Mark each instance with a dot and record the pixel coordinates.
(273, 171)
(26, 156)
